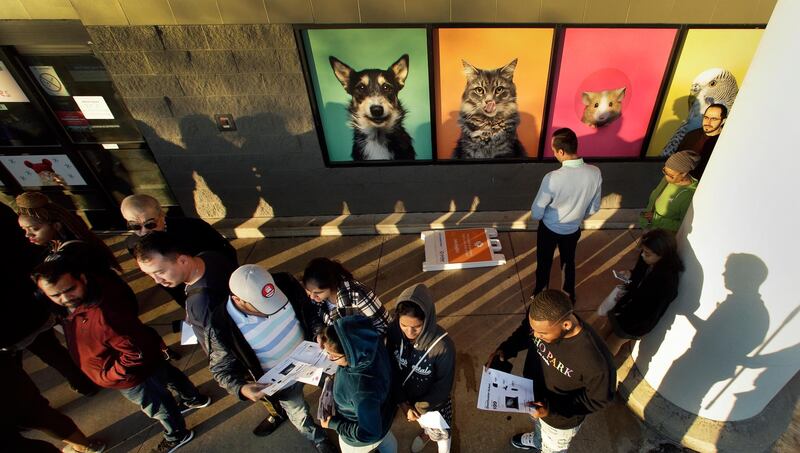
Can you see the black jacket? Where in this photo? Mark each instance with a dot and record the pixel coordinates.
(646, 298)
(231, 359)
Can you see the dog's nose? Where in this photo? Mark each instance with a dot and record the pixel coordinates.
(376, 111)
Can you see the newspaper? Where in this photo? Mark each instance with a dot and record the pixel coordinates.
(187, 334)
(326, 407)
(433, 420)
(305, 364)
(504, 392)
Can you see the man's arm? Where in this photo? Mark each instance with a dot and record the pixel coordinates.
(594, 206)
(598, 393)
(518, 341)
(226, 369)
(543, 199)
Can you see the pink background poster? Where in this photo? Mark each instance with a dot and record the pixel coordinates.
(601, 61)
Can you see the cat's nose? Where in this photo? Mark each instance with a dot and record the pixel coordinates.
(376, 111)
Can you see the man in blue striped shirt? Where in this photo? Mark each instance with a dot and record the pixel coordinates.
(266, 317)
(566, 197)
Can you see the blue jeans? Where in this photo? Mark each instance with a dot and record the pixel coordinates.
(292, 400)
(154, 398)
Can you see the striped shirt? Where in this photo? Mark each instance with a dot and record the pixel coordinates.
(273, 338)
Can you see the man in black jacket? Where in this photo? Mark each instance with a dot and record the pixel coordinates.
(265, 318)
(145, 214)
(571, 368)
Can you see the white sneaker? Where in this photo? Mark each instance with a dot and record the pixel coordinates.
(524, 441)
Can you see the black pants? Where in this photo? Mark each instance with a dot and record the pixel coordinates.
(546, 243)
(24, 406)
(47, 347)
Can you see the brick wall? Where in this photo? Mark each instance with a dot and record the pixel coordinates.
(175, 78)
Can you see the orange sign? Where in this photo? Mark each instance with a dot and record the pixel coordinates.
(464, 246)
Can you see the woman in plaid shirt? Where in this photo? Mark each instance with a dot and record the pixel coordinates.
(338, 294)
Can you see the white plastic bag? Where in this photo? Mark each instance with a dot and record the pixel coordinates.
(610, 301)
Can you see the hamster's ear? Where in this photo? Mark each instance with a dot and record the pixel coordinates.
(586, 97)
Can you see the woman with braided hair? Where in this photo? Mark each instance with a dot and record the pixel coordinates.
(48, 224)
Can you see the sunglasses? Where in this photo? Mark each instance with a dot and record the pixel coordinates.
(149, 224)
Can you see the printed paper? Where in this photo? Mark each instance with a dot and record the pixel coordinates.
(9, 90)
(49, 80)
(187, 334)
(93, 107)
(305, 364)
(504, 392)
(43, 170)
(433, 420)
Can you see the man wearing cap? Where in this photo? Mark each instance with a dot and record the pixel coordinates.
(670, 200)
(264, 319)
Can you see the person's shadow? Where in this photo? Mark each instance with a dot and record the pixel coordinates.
(721, 342)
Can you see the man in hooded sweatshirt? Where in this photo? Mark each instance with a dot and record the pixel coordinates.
(424, 364)
(363, 406)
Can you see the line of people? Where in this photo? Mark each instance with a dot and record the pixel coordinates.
(247, 320)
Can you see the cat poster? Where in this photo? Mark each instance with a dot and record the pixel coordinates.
(371, 93)
(711, 66)
(606, 87)
(491, 89)
(43, 170)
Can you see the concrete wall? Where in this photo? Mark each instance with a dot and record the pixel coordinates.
(175, 78)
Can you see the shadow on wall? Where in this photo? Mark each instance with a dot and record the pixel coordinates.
(708, 362)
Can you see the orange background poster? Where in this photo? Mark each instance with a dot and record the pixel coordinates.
(490, 48)
(467, 246)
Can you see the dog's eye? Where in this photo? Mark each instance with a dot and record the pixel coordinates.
(360, 87)
(386, 87)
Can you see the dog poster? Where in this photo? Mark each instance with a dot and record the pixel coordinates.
(709, 69)
(372, 93)
(606, 87)
(491, 89)
(43, 170)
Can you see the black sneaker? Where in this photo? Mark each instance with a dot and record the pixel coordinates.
(168, 446)
(267, 426)
(204, 401)
(523, 441)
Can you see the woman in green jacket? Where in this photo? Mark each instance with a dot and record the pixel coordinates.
(670, 200)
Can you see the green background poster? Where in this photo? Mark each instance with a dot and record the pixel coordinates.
(371, 48)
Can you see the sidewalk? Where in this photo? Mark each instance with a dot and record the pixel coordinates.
(479, 307)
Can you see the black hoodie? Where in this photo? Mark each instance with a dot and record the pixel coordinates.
(429, 388)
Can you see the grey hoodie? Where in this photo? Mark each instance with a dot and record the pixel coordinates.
(429, 388)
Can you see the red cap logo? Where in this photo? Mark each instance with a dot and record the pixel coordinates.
(268, 290)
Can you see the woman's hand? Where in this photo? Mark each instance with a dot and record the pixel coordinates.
(648, 215)
(325, 423)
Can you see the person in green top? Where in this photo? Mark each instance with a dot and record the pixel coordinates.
(670, 200)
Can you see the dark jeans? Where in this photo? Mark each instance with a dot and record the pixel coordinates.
(24, 406)
(47, 347)
(154, 397)
(546, 243)
(296, 407)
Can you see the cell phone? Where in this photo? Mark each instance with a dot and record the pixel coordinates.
(620, 277)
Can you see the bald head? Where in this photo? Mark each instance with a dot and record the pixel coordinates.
(143, 214)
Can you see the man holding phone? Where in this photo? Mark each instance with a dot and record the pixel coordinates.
(571, 368)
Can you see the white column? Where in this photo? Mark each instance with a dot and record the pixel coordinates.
(731, 340)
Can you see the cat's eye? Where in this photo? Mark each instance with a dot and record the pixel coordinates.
(596, 104)
(479, 91)
(498, 90)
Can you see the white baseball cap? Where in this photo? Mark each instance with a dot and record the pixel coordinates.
(255, 285)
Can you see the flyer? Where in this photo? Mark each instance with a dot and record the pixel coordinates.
(49, 80)
(504, 392)
(9, 89)
(306, 364)
(461, 249)
(93, 107)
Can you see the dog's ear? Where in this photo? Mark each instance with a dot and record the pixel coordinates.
(341, 71)
(400, 70)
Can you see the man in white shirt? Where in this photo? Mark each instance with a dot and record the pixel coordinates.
(566, 196)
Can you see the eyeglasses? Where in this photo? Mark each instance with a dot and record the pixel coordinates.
(149, 224)
(332, 358)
